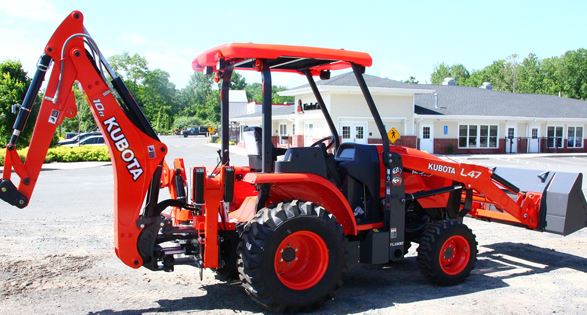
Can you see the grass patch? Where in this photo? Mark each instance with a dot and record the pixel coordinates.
(69, 154)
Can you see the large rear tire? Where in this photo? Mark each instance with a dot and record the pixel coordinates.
(291, 256)
(447, 252)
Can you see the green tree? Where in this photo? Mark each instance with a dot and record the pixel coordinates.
(132, 68)
(196, 99)
(411, 80)
(458, 72)
(237, 82)
(255, 93)
(84, 121)
(573, 74)
(158, 96)
(13, 85)
(155, 94)
(530, 78)
(551, 82)
(439, 73)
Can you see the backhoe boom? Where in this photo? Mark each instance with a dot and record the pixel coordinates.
(135, 150)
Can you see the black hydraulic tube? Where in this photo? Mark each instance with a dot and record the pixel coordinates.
(267, 157)
(29, 99)
(504, 182)
(133, 110)
(433, 192)
(323, 108)
(359, 70)
(224, 110)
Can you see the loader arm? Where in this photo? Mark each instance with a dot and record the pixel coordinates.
(487, 195)
(480, 180)
(135, 150)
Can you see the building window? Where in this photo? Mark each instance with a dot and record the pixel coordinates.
(472, 136)
(346, 132)
(282, 134)
(426, 132)
(477, 136)
(575, 137)
(359, 132)
(554, 137)
(534, 133)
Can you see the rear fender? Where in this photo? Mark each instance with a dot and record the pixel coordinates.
(308, 187)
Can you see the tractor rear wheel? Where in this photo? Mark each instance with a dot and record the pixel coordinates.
(291, 256)
(447, 252)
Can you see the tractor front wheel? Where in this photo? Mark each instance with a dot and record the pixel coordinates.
(447, 252)
(291, 256)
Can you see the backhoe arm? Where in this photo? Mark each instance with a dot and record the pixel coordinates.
(135, 150)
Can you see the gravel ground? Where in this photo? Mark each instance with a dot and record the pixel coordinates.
(56, 257)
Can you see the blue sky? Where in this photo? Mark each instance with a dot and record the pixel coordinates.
(404, 37)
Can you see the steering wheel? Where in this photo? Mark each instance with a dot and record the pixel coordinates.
(321, 143)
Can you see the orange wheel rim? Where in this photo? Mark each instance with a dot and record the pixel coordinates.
(454, 255)
(301, 260)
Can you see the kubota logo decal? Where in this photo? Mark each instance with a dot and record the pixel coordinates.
(126, 153)
(441, 168)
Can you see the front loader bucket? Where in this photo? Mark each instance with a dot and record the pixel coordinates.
(566, 209)
(563, 209)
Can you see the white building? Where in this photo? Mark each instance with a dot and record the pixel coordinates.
(434, 118)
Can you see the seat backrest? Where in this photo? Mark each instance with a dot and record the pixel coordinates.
(253, 143)
(303, 160)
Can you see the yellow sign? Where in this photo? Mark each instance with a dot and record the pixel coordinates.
(211, 129)
(393, 135)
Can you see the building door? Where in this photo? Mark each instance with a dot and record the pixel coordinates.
(511, 141)
(426, 138)
(534, 140)
(354, 132)
(308, 134)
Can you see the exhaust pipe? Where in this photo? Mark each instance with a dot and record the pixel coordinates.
(563, 208)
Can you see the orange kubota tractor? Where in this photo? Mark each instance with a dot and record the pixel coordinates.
(286, 227)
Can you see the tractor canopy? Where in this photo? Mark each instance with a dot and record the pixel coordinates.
(282, 58)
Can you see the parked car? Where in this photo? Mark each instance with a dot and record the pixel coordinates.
(90, 140)
(78, 138)
(195, 131)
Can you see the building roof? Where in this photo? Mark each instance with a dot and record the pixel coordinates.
(463, 100)
(237, 96)
(277, 110)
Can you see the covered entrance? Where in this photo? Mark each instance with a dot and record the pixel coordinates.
(427, 138)
(354, 132)
(534, 139)
(511, 139)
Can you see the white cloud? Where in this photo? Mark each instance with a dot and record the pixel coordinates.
(177, 62)
(133, 38)
(21, 45)
(35, 10)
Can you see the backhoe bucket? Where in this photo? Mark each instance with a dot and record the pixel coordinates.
(563, 209)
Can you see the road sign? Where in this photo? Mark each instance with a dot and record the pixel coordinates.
(393, 135)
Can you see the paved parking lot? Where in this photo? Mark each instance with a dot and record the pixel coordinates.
(56, 256)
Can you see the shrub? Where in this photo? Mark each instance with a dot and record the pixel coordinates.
(186, 121)
(67, 154)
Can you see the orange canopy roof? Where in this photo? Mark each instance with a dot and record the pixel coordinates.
(282, 58)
